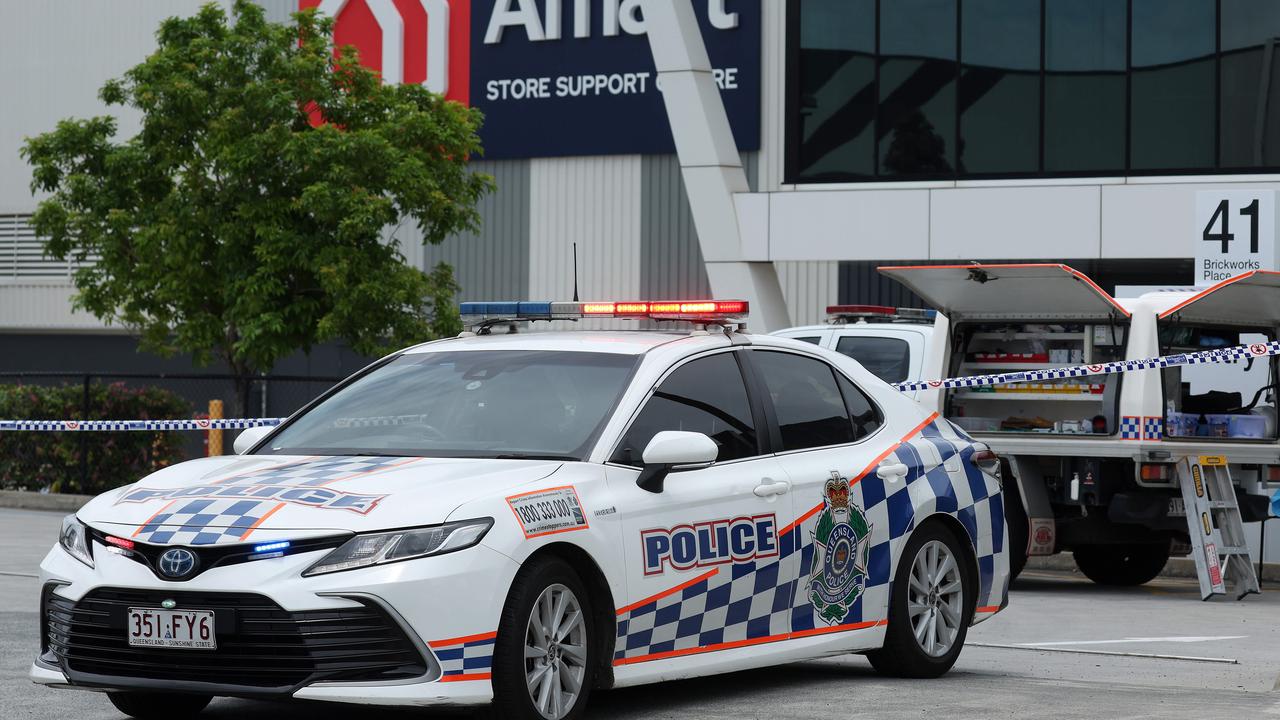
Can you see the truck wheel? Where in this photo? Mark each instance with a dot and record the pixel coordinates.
(544, 657)
(1015, 517)
(930, 606)
(1121, 564)
(158, 706)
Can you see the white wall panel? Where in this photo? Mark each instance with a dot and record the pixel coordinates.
(42, 306)
(849, 225)
(596, 202)
(809, 288)
(54, 57)
(1015, 222)
(1157, 220)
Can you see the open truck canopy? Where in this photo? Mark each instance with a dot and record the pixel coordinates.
(1249, 299)
(997, 292)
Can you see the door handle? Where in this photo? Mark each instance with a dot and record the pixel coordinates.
(892, 472)
(769, 487)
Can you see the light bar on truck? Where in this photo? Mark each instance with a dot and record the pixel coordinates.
(695, 310)
(882, 312)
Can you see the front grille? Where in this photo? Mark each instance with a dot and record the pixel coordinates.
(262, 648)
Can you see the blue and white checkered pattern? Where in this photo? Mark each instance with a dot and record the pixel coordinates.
(767, 599)
(1153, 428)
(1130, 428)
(472, 657)
(208, 521)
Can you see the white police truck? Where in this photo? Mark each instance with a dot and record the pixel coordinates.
(1089, 461)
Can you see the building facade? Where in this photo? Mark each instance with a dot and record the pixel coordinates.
(1090, 131)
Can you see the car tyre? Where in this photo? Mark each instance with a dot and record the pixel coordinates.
(1121, 565)
(158, 706)
(931, 604)
(545, 655)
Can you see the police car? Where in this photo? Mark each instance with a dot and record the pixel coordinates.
(520, 518)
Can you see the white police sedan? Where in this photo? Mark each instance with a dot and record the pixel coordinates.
(521, 518)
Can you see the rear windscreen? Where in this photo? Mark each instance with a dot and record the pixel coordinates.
(887, 358)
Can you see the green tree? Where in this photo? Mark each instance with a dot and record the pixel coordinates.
(237, 226)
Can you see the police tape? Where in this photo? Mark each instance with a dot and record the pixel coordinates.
(133, 425)
(1219, 355)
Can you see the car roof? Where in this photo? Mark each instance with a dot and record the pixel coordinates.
(634, 342)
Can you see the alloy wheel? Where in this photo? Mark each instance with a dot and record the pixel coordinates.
(935, 598)
(555, 652)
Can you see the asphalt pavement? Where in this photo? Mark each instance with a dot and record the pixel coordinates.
(1064, 648)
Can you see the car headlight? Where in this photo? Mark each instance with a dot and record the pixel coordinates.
(396, 545)
(75, 539)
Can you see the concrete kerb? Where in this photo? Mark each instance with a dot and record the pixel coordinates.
(1178, 567)
(53, 502)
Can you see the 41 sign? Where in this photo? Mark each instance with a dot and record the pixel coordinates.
(1235, 233)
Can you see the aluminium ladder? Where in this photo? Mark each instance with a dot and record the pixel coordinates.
(1214, 523)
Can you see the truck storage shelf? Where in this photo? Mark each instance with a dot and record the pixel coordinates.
(1029, 336)
(1069, 397)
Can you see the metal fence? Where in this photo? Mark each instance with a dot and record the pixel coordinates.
(70, 464)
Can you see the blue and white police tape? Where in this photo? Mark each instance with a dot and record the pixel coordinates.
(1229, 354)
(128, 425)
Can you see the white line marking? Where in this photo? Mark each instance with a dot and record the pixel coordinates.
(1189, 658)
(1175, 639)
(18, 574)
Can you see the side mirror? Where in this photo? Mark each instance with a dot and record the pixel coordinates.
(674, 450)
(250, 437)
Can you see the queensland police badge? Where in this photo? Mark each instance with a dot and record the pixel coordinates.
(840, 553)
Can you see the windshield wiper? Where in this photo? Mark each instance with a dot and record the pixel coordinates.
(533, 456)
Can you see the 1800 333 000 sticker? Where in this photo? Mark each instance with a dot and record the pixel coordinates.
(550, 511)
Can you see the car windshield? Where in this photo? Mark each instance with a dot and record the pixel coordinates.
(482, 404)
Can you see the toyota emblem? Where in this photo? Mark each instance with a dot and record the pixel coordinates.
(177, 563)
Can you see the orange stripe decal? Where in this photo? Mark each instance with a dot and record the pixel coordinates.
(470, 676)
(665, 593)
(261, 520)
(857, 478)
(464, 639)
(747, 642)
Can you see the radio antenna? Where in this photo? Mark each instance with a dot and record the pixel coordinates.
(575, 272)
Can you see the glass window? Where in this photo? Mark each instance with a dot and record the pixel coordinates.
(864, 414)
(1235, 400)
(1173, 90)
(837, 89)
(808, 404)
(887, 358)
(1248, 137)
(1000, 87)
(467, 404)
(706, 395)
(810, 340)
(1084, 92)
(915, 132)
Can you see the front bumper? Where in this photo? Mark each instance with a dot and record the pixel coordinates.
(446, 606)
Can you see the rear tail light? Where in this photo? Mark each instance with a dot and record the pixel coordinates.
(987, 461)
(1272, 474)
(1155, 472)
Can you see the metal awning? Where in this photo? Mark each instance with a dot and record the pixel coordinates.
(1032, 291)
(1249, 299)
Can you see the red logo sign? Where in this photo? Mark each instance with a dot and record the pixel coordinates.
(1095, 368)
(202, 423)
(407, 41)
(1043, 535)
(1258, 349)
(935, 383)
(72, 425)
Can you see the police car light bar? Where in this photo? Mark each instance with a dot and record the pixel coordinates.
(844, 312)
(695, 310)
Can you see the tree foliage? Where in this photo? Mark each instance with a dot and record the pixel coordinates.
(234, 225)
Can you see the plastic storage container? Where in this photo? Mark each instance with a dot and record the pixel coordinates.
(1246, 426)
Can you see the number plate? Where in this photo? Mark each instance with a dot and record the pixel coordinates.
(151, 627)
(1177, 508)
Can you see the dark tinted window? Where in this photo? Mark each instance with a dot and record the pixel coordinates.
(866, 418)
(810, 340)
(1248, 136)
(837, 88)
(887, 358)
(806, 400)
(706, 395)
(917, 124)
(1172, 101)
(1084, 92)
(1000, 86)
